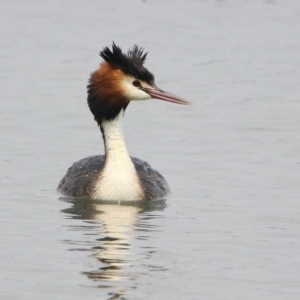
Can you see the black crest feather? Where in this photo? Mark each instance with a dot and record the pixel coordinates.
(131, 63)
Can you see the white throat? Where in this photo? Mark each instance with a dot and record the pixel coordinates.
(118, 179)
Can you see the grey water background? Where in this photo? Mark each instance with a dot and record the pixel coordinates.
(230, 229)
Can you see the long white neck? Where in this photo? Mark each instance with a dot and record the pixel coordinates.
(115, 147)
(119, 179)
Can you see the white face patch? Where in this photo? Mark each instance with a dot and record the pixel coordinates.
(133, 92)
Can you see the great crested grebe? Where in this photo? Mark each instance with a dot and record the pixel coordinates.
(121, 78)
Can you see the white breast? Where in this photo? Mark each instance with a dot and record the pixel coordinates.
(118, 179)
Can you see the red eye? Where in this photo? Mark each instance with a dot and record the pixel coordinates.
(136, 83)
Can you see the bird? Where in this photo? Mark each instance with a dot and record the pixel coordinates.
(115, 176)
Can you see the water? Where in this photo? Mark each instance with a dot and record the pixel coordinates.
(230, 228)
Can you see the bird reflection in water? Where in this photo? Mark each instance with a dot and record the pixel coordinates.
(116, 226)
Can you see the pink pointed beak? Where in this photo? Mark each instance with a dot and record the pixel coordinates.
(156, 93)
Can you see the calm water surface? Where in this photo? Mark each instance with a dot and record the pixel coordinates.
(230, 229)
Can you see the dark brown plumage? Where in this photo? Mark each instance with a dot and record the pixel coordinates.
(105, 96)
